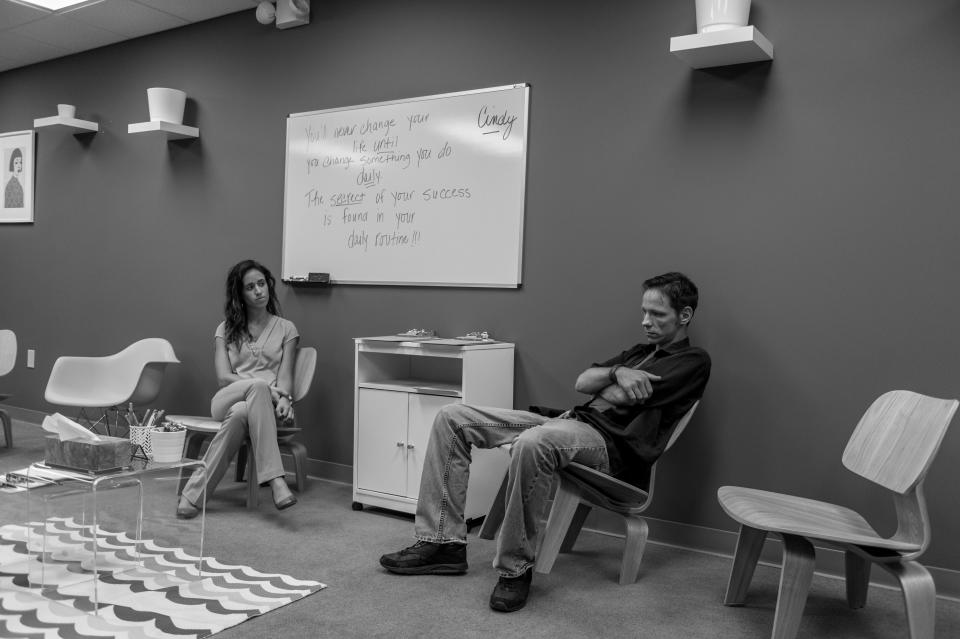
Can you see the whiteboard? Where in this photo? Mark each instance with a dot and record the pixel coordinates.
(426, 191)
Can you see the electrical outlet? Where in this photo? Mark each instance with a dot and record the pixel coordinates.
(31, 358)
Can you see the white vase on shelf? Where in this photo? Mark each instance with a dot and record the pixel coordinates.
(718, 15)
(166, 105)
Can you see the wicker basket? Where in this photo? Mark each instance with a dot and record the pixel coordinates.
(140, 435)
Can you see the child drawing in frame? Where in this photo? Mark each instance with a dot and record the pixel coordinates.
(13, 191)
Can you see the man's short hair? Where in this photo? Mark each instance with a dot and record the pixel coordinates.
(679, 290)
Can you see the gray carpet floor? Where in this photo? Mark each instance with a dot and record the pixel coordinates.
(678, 594)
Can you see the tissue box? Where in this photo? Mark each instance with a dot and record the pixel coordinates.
(108, 454)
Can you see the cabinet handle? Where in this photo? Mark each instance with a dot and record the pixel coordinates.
(410, 446)
(399, 444)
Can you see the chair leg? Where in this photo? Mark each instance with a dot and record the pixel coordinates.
(241, 461)
(795, 578)
(565, 503)
(299, 454)
(858, 579)
(491, 523)
(194, 443)
(637, 532)
(575, 525)
(7, 428)
(919, 597)
(253, 488)
(749, 545)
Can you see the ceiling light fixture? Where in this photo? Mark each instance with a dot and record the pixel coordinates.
(286, 13)
(55, 5)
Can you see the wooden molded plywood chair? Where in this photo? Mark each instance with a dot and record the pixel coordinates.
(199, 429)
(8, 359)
(133, 376)
(893, 446)
(581, 488)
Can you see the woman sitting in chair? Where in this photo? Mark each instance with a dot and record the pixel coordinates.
(254, 360)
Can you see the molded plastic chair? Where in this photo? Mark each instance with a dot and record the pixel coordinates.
(133, 376)
(581, 488)
(893, 446)
(8, 359)
(200, 429)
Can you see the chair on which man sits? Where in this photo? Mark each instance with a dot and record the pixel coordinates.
(134, 375)
(200, 429)
(581, 488)
(8, 359)
(893, 446)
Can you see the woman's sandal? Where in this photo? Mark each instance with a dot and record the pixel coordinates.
(186, 510)
(286, 502)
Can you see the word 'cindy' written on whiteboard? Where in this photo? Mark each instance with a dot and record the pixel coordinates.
(398, 186)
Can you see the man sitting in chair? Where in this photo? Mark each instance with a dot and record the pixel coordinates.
(637, 398)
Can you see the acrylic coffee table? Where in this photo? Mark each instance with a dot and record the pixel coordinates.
(85, 530)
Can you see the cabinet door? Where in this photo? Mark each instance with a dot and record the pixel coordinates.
(381, 441)
(423, 408)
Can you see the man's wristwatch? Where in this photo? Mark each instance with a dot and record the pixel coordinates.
(612, 373)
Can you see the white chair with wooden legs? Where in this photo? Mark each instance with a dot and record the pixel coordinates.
(580, 489)
(200, 429)
(133, 376)
(893, 446)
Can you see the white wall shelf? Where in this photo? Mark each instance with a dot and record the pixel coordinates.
(173, 130)
(721, 48)
(78, 126)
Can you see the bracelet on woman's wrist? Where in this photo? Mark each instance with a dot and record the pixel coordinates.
(612, 373)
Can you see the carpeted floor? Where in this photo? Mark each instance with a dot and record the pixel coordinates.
(678, 594)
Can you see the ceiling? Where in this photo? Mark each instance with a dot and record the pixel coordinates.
(29, 35)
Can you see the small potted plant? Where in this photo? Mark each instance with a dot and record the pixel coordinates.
(167, 441)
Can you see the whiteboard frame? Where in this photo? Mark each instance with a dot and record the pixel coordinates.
(438, 96)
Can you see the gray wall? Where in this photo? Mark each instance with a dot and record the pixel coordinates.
(813, 200)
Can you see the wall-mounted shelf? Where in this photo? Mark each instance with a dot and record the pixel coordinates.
(78, 126)
(173, 130)
(720, 48)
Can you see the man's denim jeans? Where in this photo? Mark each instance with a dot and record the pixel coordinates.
(541, 447)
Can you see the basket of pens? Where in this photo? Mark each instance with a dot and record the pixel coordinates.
(139, 431)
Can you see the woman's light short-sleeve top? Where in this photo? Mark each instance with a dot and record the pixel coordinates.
(261, 357)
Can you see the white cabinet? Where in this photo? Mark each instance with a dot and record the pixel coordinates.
(400, 387)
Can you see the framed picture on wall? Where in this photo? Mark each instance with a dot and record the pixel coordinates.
(16, 176)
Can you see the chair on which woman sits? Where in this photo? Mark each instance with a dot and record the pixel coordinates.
(200, 429)
(580, 489)
(892, 446)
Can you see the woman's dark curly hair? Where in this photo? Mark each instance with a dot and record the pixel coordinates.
(234, 311)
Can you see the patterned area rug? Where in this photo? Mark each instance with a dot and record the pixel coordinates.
(146, 590)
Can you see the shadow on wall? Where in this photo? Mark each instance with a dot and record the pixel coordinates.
(739, 415)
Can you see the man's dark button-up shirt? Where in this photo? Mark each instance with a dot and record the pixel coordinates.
(637, 435)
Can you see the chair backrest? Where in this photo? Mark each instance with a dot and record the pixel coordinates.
(152, 354)
(897, 438)
(8, 351)
(681, 425)
(303, 371)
